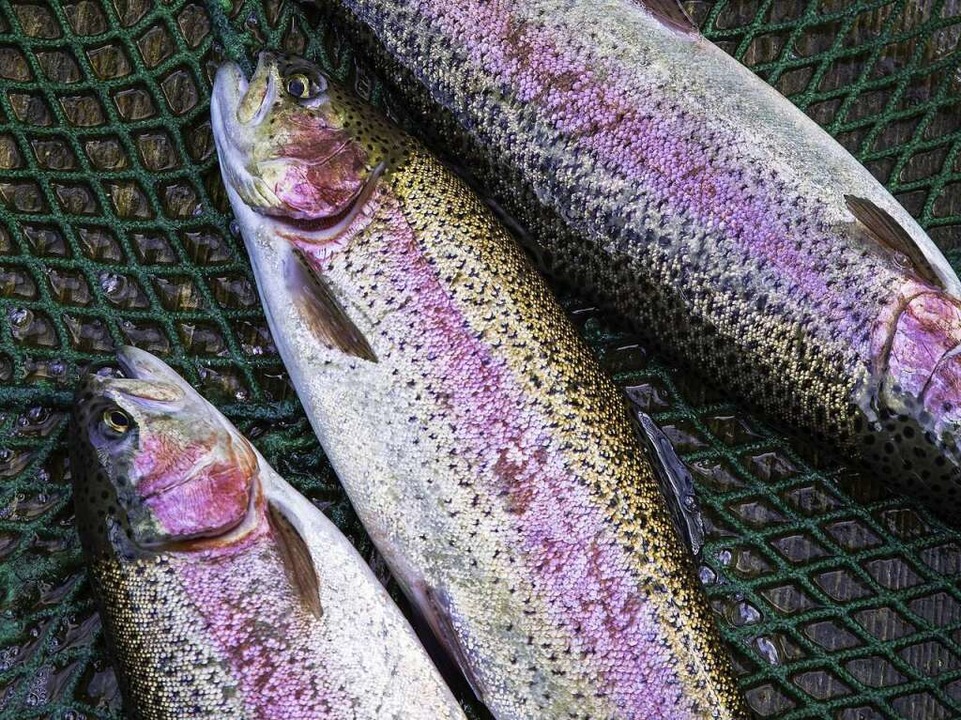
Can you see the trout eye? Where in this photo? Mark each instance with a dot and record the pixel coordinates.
(117, 420)
(301, 87)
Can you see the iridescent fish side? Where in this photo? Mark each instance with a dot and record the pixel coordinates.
(659, 174)
(223, 592)
(493, 464)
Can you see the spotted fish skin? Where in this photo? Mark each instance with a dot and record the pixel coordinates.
(188, 535)
(660, 175)
(493, 464)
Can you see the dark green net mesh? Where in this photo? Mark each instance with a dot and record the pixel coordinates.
(836, 599)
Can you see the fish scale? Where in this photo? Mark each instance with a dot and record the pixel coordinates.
(494, 465)
(199, 675)
(659, 175)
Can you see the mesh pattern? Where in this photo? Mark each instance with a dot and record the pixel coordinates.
(882, 77)
(837, 600)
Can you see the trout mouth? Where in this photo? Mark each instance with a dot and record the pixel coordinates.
(232, 119)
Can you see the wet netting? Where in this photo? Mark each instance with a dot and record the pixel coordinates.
(836, 599)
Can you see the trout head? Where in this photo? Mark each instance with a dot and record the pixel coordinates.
(914, 428)
(297, 151)
(154, 465)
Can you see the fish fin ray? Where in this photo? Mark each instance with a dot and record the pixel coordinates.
(675, 482)
(325, 315)
(888, 231)
(671, 13)
(435, 606)
(296, 559)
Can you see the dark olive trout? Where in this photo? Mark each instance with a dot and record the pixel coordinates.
(660, 175)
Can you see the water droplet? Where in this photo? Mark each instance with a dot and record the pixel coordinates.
(8, 657)
(768, 650)
(111, 283)
(20, 317)
(707, 575)
(741, 613)
(31, 328)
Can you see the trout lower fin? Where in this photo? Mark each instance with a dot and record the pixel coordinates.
(889, 233)
(676, 484)
(297, 561)
(321, 310)
(670, 13)
(435, 606)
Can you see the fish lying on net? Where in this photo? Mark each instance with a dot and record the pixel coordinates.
(657, 173)
(224, 593)
(493, 464)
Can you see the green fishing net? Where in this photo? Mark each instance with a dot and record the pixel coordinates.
(836, 599)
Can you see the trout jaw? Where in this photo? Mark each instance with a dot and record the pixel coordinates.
(235, 142)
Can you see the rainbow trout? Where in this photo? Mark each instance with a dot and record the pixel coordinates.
(668, 181)
(492, 463)
(224, 593)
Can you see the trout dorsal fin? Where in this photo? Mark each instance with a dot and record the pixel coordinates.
(889, 233)
(323, 313)
(676, 483)
(671, 13)
(295, 556)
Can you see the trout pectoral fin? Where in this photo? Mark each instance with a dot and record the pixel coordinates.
(434, 604)
(889, 233)
(323, 313)
(671, 13)
(295, 556)
(676, 483)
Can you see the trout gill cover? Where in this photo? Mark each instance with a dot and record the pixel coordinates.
(224, 593)
(495, 467)
(660, 175)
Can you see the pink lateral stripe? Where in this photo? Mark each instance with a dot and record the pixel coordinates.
(640, 133)
(256, 623)
(581, 572)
